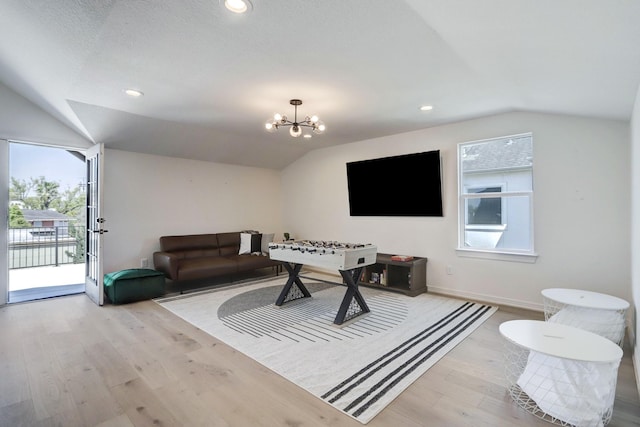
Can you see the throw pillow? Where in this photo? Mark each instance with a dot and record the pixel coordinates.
(245, 243)
(266, 239)
(255, 243)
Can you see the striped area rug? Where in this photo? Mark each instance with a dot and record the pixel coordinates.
(360, 367)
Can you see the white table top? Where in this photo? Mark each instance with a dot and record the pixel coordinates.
(331, 258)
(587, 299)
(555, 339)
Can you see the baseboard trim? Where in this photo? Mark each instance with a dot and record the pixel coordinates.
(635, 354)
(491, 299)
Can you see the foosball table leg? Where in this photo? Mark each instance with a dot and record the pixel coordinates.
(291, 292)
(353, 303)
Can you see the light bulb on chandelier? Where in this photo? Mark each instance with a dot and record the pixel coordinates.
(279, 120)
(295, 131)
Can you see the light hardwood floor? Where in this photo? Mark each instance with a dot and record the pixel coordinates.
(66, 362)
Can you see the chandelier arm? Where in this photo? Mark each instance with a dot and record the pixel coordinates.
(306, 123)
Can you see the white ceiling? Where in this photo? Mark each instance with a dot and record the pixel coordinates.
(212, 78)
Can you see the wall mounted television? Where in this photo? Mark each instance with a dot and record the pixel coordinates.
(404, 185)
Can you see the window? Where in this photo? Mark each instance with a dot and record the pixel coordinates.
(487, 210)
(495, 191)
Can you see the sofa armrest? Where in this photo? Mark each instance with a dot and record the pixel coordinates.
(167, 263)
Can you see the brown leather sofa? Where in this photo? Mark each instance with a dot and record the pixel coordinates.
(203, 256)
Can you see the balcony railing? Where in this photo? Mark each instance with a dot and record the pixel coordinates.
(40, 246)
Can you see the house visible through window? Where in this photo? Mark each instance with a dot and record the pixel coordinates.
(496, 195)
(486, 210)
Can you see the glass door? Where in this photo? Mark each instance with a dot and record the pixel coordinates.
(95, 222)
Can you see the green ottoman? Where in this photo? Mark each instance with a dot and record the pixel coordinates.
(134, 284)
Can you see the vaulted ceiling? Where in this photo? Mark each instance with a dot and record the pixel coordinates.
(211, 78)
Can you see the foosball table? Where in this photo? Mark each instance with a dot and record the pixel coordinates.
(347, 258)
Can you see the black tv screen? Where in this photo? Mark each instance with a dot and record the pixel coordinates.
(405, 185)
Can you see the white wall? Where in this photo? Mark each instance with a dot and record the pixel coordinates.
(635, 232)
(582, 207)
(22, 120)
(148, 196)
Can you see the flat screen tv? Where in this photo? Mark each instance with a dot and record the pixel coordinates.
(405, 185)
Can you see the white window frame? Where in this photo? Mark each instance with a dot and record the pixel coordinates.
(520, 255)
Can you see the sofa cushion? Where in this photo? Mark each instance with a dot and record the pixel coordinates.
(251, 262)
(205, 267)
(189, 242)
(229, 243)
(199, 253)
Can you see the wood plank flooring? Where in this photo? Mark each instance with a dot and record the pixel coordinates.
(66, 362)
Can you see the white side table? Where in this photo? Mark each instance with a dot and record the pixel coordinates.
(592, 311)
(560, 373)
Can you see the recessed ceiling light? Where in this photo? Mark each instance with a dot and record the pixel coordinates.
(238, 6)
(426, 108)
(133, 92)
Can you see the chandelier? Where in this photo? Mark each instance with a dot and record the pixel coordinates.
(295, 131)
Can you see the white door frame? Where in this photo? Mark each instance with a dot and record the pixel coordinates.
(94, 286)
(4, 224)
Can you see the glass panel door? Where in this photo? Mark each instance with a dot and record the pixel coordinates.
(94, 271)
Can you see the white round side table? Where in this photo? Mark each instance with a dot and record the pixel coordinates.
(592, 311)
(562, 374)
